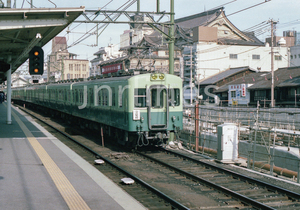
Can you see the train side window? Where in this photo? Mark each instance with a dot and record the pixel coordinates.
(69, 96)
(105, 97)
(76, 96)
(122, 98)
(80, 96)
(91, 95)
(174, 97)
(99, 98)
(60, 95)
(65, 96)
(140, 97)
(73, 96)
(113, 95)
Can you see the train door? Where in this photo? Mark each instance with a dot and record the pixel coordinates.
(158, 107)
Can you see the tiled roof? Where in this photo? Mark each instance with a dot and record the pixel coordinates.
(101, 51)
(116, 60)
(223, 75)
(253, 78)
(290, 82)
(241, 42)
(201, 19)
(282, 77)
(207, 17)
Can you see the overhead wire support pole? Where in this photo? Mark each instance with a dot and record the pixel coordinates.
(171, 48)
(138, 9)
(172, 38)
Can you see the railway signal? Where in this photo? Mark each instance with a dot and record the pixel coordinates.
(36, 61)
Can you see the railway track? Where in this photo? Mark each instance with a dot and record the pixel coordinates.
(169, 181)
(252, 192)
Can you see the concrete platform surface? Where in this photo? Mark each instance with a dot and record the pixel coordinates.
(37, 171)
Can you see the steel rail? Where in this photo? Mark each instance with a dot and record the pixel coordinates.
(173, 202)
(288, 193)
(244, 199)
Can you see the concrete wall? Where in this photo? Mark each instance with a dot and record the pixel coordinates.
(283, 157)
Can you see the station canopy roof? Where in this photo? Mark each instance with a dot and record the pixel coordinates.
(22, 29)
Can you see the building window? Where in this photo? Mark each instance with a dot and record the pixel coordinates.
(292, 57)
(233, 94)
(278, 57)
(233, 56)
(71, 67)
(256, 57)
(298, 55)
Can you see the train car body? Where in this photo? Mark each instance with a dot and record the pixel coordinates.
(141, 109)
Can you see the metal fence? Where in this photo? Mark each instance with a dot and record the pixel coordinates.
(263, 127)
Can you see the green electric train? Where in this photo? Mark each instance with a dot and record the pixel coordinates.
(138, 110)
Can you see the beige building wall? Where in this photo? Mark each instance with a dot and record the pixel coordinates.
(74, 69)
(64, 65)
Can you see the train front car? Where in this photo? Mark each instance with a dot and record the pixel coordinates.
(155, 107)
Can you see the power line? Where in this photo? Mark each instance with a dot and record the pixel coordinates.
(248, 8)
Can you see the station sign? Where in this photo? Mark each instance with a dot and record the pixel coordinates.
(243, 90)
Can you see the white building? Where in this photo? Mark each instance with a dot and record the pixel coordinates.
(295, 56)
(104, 54)
(212, 58)
(136, 33)
(218, 45)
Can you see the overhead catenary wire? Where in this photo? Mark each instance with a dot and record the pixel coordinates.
(81, 23)
(88, 34)
(82, 38)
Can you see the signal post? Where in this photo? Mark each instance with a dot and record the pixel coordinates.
(36, 63)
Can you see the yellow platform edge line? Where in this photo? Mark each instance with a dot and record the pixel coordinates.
(66, 189)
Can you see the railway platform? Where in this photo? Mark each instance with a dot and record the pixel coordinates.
(37, 171)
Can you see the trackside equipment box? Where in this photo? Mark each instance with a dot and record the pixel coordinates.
(227, 142)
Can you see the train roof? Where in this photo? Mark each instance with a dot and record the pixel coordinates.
(82, 82)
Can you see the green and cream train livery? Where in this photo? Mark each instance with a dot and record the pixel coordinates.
(136, 110)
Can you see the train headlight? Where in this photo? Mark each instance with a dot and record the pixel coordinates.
(157, 76)
(153, 76)
(161, 76)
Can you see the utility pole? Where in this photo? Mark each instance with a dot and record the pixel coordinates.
(191, 74)
(272, 61)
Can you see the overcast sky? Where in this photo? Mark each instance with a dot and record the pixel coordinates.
(284, 11)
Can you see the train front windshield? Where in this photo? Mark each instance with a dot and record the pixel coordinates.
(157, 94)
